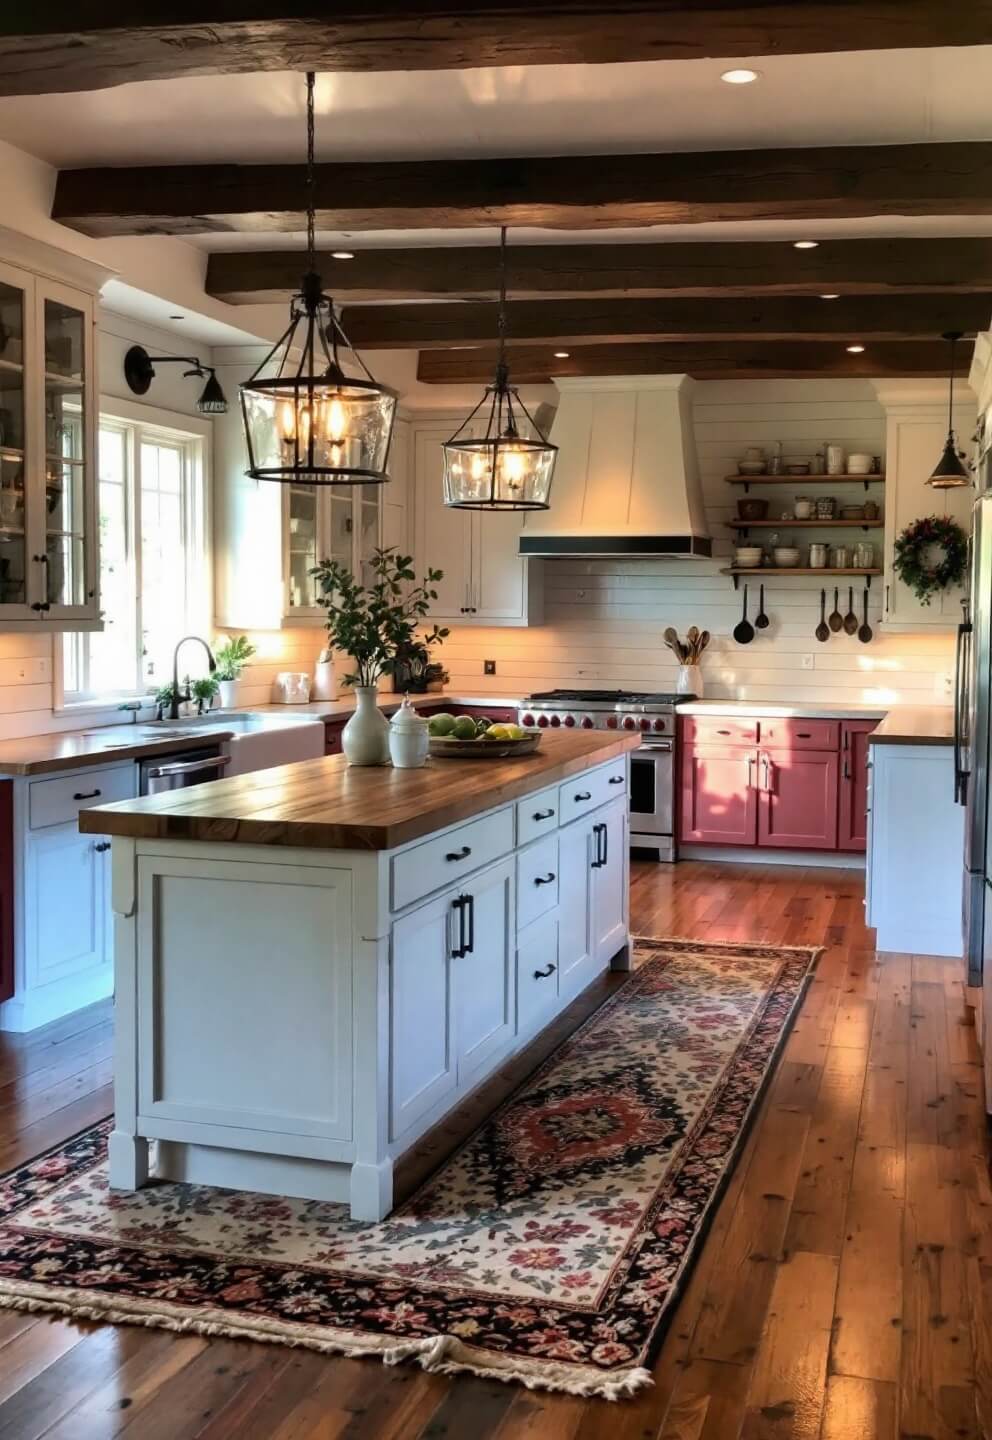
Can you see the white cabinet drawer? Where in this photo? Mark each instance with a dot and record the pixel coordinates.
(444, 860)
(537, 972)
(55, 802)
(583, 793)
(537, 815)
(537, 879)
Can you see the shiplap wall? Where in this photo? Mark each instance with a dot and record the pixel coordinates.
(603, 619)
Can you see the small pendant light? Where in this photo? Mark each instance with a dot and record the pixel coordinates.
(951, 471)
(305, 420)
(511, 464)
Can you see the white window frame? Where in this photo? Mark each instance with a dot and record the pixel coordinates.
(196, 434)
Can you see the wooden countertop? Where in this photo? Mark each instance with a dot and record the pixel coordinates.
(40, 754)
(916, 725)
(328, 805)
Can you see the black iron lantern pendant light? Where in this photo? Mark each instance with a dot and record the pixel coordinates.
(510, 465)
(951, 472)
(306, 420)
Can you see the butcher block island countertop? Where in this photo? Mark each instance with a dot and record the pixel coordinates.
(328, 804)
(426, 926)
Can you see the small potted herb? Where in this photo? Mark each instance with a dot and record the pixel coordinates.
(232, 655)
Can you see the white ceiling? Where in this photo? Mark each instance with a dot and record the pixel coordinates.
(862, 97)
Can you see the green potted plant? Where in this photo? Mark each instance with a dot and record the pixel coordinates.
(374, 624)
(203, 692)
(232, 655)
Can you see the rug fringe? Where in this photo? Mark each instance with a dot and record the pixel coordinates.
(438, 1355)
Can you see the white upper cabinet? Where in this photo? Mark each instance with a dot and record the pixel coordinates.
(916, 428)
(269, 536)
(485, 580)
(49, 560)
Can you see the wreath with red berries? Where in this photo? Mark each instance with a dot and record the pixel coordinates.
(915, 559)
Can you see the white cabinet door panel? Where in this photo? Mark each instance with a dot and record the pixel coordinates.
(575, 940)
(485, 977)
(609, 884)
(65, 905)
(421, 1027)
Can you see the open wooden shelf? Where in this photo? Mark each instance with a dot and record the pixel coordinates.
(805, 524)
(766, 570)
(800, 480)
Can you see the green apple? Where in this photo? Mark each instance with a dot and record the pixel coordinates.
(441, 724)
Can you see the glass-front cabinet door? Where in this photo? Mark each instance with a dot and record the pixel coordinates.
(48, 540)
(70, 549)
(15, 317)
(328, 522)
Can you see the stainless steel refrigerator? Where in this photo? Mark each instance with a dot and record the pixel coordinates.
(972, 732)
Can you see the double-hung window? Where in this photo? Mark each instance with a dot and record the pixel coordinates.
(154, 570)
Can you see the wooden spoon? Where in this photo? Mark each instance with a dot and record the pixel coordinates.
(761, 620)
(822, 631)
(836, 621)
(850, 619)
(866, 633)
(744, 630)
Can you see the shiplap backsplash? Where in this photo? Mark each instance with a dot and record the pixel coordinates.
(604, 619)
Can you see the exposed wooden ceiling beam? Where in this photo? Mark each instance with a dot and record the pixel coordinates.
(537, 322)
(714, 360)
(62, 46)
(563, 192)
(847, 267)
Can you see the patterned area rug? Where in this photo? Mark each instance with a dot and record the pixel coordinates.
(549, 1250)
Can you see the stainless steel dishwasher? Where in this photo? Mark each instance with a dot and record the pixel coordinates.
(176, 772)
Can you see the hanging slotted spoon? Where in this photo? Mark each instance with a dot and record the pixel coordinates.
(836, 621)
(850, 619)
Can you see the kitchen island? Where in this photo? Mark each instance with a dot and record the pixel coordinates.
(314, 964)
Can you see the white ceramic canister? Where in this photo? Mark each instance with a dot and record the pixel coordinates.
(324, 685)
(835, 460)
(803, 508)
(408, 738)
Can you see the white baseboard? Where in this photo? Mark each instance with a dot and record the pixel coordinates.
(50, 1002)
(752, 855)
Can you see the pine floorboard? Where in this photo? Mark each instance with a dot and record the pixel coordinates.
(844, 1291)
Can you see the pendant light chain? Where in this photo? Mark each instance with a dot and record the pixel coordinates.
(501, 321)
(950, 390)
(311, 178)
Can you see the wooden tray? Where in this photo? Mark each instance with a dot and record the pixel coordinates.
(443, 747)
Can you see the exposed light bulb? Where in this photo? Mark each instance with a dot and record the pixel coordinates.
(287, 420)
(337, 421)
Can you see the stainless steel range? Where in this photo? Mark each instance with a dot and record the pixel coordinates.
(652, 767)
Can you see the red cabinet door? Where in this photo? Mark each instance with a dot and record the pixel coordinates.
(852, 813)
(798, 801)
(719, 802)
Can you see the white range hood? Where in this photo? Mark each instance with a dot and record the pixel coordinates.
(626, 482)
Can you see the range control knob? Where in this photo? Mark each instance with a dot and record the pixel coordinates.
(629, 723)
(569, 720)
(645, 723)
(527, 720)
(611, 722)
(661, 724)
(587, 722)
(542, 720)
(556, 721)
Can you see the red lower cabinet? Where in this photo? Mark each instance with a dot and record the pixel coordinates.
(852, 814)
(797, 806)
(719, 800)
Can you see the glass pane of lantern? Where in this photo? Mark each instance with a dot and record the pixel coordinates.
(296, 430)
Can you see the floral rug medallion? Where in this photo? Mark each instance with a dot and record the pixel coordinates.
(549, 1250)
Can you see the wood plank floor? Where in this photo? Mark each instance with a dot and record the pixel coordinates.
(844, 1292)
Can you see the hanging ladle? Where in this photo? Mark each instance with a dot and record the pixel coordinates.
(761, 620)
(850, 619)
(836, 621)
(744, 630)
(866, 633)
(822, 631)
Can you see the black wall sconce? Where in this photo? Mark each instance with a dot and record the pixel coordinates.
(139, 372)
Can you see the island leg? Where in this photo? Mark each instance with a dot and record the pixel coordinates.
(371, 1191)
(128, 1157)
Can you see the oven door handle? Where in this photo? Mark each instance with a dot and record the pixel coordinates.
(665, 746)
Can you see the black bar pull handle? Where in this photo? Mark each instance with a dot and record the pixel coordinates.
(458, 904)
(543, 815)
(470, 942)
(87, 794)
(461, 854)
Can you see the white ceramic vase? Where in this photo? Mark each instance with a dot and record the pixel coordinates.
(689, 681)
(365, 738)
(228, 693)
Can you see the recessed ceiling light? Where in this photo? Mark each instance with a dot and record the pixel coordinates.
(562, 354)
(830, 297)
(855, 349)
(342, 254)
(805, 244)
(740, 77)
